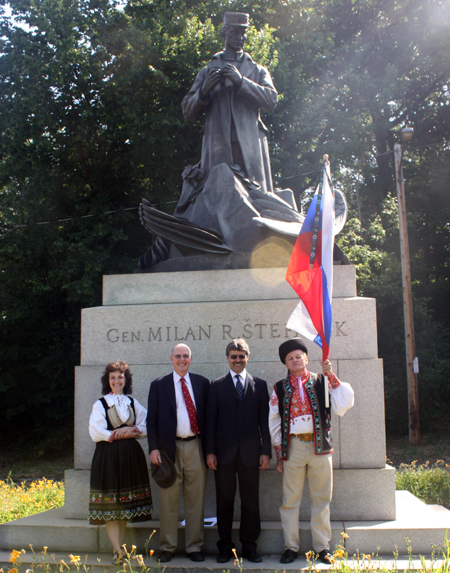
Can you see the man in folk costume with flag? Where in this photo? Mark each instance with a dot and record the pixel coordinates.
(300, 412)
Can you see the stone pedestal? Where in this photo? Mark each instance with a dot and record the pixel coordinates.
(144, 316)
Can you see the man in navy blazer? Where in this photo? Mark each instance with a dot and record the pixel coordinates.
(176, 425)
(238, 444)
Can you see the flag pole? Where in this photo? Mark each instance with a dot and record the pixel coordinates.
(326, 162)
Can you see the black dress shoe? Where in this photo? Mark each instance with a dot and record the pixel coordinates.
(325, 557)
(165, 556)
(196, 556)
(252, 556)
(289, 556)
(224, 556)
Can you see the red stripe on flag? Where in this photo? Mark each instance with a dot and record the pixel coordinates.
(308, 283)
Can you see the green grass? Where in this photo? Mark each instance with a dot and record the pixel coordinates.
(20, 500)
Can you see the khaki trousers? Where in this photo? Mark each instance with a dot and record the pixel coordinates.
(191, 475)
(303, 461)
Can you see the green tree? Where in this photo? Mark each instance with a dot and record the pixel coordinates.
(90, 122)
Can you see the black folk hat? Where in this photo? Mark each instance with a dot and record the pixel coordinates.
(165, 473)
(289, 346)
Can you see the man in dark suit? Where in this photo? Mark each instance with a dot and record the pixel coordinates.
(176, 425)
(238, 443)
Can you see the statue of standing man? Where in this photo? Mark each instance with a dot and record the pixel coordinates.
(231, 90)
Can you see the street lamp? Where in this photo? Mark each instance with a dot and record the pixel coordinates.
(412, 365)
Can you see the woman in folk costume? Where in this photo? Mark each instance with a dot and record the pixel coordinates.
(120, 486)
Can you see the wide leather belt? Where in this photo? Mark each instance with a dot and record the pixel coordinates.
(188, 439)
(304, 437)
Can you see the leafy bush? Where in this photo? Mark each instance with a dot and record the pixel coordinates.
(20, 500)
(430, 484)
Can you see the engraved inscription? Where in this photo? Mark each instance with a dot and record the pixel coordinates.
(339, 331)
(190, 333)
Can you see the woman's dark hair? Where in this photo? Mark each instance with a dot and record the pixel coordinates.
(120, 366)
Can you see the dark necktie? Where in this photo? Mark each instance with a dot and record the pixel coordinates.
(190, 407)
(239, 387)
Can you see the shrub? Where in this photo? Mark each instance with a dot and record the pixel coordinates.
(431, 484)
(20, 500)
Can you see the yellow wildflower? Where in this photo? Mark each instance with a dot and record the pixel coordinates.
(13, 570)
(45, 550)
(75, 560)
(140, 560)
(236, 558)
(151, 552)
(344, 535)
(14, 556)
(309, 555)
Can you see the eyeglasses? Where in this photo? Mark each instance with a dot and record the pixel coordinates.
(178, 356)
(236, 356)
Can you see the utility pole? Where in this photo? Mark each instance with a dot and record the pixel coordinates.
(411, 360)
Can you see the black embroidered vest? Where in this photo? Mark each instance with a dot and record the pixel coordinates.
(112, 417)
(323, 441)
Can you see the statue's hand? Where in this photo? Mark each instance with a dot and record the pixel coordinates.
(212, 79)
(231, 72)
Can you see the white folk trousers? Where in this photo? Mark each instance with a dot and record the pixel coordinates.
(302, 461)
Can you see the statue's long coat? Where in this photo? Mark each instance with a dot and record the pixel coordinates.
(256, 93)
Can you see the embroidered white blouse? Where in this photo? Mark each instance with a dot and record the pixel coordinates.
(98, 426)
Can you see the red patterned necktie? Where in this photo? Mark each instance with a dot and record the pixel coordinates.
(190, 407)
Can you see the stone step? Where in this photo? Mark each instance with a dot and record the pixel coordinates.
(423, 525)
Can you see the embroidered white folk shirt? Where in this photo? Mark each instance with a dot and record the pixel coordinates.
(300, 413)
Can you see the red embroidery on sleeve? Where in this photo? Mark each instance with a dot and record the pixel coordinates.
(333, 381)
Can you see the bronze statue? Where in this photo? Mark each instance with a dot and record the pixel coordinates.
(228, 204)
(230, 91)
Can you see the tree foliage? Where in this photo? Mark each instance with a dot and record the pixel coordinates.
(90, 122)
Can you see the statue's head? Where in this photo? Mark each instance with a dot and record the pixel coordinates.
(234, 29)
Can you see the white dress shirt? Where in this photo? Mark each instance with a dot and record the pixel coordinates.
(183, 421)
(242, 376)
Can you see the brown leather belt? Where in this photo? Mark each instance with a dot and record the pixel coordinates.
(188, 439)
(304, 437)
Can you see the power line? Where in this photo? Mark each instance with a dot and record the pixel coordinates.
(67, 219)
